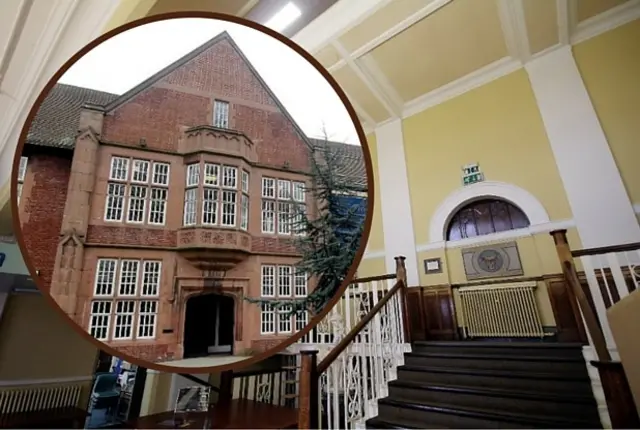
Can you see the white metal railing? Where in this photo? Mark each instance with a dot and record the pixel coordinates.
(350, 387)
(611, 277)
(500, 310)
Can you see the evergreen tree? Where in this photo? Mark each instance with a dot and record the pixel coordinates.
(330, 239)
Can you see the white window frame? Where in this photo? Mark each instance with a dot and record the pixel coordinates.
(298, 191)
(146, 272)
(268, 290)
(154, 203)
(221, 113)
(286, 322)
(301, 316)
(229, 212)
(119, 164)
(244, 212)
(157, 165)
(188, 201)
(229, 177)
(103, 317)
(140, 172)
(124, 318)
(211, 177)
(298, 285)
(97, 278)
(132, 268)
(268, 188)
(138, 200)
(192, 177)
(22, 174)
(284, 189)
(264, 219)
(210, 206)
(151, 315)
(120, 197)
(285, 280)
(285, 217)
(245, 182)
(267, 319)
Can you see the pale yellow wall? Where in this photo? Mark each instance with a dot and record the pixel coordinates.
(610, 67)
(376, 238)
(36, 343)
(372, 267)
(498, 126)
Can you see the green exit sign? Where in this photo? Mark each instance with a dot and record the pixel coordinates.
(471, 174)
(472, 179)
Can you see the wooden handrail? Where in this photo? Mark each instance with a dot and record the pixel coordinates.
(577, 293)
(340, 347)
(606, 249)
(375, 278)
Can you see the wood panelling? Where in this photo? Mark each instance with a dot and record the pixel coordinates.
(432, 313)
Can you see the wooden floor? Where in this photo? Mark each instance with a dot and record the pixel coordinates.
(237, 414)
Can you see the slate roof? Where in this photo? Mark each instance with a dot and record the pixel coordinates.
(56, 125)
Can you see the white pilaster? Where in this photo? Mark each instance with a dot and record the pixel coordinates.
(599, 201)
(395, 202)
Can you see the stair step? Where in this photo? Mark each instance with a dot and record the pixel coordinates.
(551, 404)
(506, 379)
(377, 423)
(501, 348)
(544, 363)
(453, 416)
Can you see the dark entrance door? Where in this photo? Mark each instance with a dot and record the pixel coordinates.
(208, 325)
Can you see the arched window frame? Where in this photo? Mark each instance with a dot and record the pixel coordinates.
(485, 216)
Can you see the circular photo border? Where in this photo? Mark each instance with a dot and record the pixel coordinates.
(368, 167)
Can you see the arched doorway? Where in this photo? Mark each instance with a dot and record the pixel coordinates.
(208, 325)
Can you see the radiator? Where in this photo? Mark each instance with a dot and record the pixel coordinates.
(501, 311)
(32, 399)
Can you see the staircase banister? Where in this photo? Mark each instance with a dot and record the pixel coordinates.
(342, 345)
(375, 278)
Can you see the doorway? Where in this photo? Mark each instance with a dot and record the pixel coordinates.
(208, 325)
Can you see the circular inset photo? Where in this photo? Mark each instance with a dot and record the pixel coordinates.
(192, 193)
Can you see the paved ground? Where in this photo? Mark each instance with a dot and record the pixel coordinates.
(214, 360)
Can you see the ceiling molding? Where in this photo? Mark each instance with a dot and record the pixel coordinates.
(606, 21)
(566, 11)
(422, 13)
(460, 86)
(368, 80)
(370, 66)
(514, 29)
(337, 20)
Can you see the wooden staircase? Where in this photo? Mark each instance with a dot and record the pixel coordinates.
(490, 385)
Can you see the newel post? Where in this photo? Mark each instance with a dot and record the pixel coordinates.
(308, 390)
(401, 275)
(226, 387)
(577, 294)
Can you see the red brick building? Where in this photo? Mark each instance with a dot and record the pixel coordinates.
(149, 215)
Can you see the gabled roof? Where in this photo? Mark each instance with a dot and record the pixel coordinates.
(56, 125)
(192, 55)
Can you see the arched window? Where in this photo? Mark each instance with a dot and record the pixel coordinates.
(485, 217)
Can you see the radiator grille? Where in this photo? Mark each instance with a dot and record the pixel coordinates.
(34, 399)
(501, 311)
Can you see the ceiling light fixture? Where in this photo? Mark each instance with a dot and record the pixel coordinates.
(287, 15)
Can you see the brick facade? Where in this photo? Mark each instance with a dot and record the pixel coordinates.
(168, 120)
